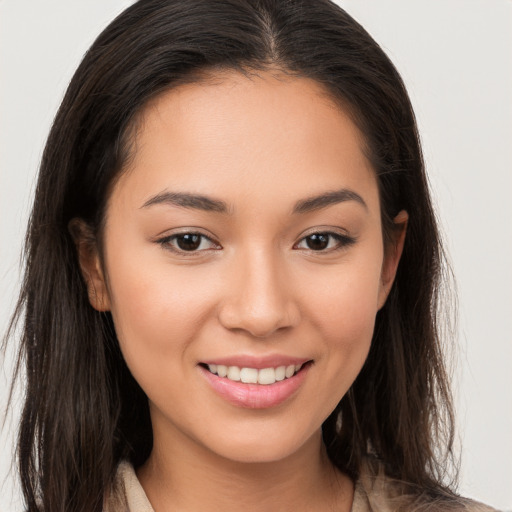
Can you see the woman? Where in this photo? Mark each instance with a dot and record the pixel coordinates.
(232, 273)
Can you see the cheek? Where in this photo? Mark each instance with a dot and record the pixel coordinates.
(344, 316)
(156, 309)
(346, 306)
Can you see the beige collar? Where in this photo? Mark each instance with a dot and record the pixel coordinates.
(372, 494)
(129, 496)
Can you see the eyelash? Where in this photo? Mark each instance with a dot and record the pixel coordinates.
(342, 242)
(167, 242)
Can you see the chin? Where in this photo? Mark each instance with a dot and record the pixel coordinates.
(263, 448)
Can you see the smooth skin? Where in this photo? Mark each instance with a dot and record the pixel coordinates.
(250, 268)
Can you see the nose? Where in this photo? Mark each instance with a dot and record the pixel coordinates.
(260, 299)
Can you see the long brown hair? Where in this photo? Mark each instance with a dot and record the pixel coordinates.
(83, 411)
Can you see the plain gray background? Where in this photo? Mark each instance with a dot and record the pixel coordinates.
(456, 59)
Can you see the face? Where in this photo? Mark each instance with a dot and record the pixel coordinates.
(244, 263)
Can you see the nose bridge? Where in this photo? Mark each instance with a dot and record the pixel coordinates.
(259, 299)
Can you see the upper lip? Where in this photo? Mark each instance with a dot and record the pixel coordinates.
(257, 362)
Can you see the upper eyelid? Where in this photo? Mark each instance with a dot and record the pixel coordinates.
(327, 230)
(186, 231)
(328, 233)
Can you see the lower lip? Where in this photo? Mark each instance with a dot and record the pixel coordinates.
(255, 396)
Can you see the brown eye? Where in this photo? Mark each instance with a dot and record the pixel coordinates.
(318, 241)
(325, 242)
(188, 241)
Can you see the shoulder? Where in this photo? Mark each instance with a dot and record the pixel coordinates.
(474, 506)
(126, 494)
(379, 493)
(372, 494)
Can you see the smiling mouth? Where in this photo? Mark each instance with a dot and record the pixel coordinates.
(264, 376)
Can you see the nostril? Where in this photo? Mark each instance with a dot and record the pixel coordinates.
(259, 322)
(257, 298)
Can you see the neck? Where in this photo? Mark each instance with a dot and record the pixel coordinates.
(186, 477)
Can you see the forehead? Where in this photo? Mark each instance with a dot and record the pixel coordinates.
(263, 102)
(231, 131)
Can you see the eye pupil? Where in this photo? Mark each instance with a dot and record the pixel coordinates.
(188, 242)
(318, 241)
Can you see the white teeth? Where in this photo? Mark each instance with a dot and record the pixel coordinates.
(266, 376)
(234, 373)
(253, 375)
(290, 370)
(280, 373)
(249, 375)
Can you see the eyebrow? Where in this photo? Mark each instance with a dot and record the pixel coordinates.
(187, 200)
(209, 204)
(327, 199)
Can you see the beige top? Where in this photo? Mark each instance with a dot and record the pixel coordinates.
(371, 495)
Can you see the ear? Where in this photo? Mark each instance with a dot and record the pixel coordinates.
(90, 264)
(392, 253)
